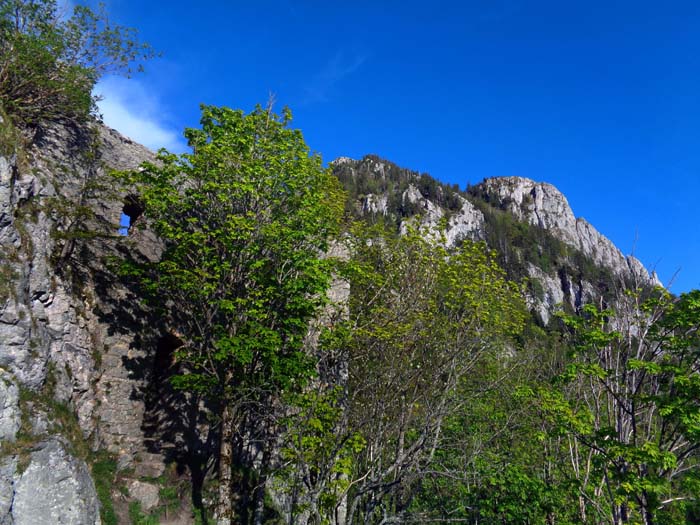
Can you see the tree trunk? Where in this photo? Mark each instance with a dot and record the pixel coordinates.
(647, 511)
(341, 509)
(227, 498)
(259, 512)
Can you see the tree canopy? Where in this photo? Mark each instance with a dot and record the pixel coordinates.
(50, 60)
(246, 219)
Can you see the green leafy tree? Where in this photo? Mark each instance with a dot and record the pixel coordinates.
(630, 400)
(421, 320)
(245, 219)
(496, 463)
(318, 454)
(50, 61)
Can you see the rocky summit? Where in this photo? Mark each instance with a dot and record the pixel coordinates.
(565, 259)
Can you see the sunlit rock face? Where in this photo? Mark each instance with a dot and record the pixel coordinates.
(59, 339)
(409, 200)
(543, 205)
(54, 488)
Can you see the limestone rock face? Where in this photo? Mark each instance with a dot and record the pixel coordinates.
(414, 201)
(50, 319)
(9, 408)
(8, 468)
(147, 494)
(54, 489)
(376, 204)
(543, 205)
(59, 324)
(467, 223)
(550, 294)
(428, 213)
(374, 178)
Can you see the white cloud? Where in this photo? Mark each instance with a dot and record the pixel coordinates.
(131, 109)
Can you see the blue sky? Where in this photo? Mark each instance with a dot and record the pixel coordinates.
(599, 98)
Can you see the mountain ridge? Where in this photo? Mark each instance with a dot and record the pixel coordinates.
(380, 188)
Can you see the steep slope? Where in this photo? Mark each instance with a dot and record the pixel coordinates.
(544, 206)
(565, 260)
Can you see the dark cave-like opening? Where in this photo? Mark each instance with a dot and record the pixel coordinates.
(132, 210)
(165, 355)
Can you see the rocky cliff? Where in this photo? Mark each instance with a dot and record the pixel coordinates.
(70, 384)
(565, 260)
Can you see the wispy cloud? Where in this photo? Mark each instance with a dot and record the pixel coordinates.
(131, 109)
(335, 70)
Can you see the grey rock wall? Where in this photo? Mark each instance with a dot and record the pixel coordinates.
(9, 408)
(58, 332)
(54, 488)
(543, 205)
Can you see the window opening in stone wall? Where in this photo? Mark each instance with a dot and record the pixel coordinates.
(132, 210)
(124, 224)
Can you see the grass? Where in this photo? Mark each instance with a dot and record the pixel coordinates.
(104, 472)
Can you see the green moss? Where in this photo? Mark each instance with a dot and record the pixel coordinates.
(22, 446)
(172, 492)
(7, 280)
(11, 140)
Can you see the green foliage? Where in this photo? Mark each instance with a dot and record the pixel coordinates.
(496, 462)
(49, 62)
(317, 454)
(364, 178)
(104, 472)
(11, 140)
(245, 219)
(7, 278)
(422, 319)
(138, 517)
(516, 496)
(630, 396)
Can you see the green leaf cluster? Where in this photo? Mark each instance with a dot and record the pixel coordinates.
(51, 60)
(246, 219)
(423, 322)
